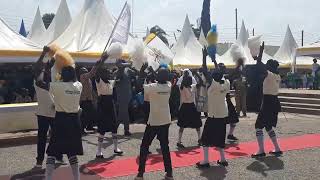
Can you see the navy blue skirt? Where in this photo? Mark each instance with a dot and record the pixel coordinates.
(233, 116)
(107, 121)
(189, 117)
(268, 115)
(214, 133)
(66, 135)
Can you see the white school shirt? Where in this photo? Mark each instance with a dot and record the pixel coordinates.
(159, 95)
(217, 104)
(45, 102)
(105, 88)
(271, 84)
(187, 95)
(66, 96)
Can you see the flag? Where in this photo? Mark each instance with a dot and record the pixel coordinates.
(205, 17)
(22, 30)
(122, 26)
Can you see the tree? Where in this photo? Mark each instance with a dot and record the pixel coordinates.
(157, 30)
(47, 19)
(196, 31)
(205, 17)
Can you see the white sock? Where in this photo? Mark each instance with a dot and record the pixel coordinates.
(274, 140)
(222, 157)
(232, 127)
(100, 143)
(260, 139)
(115, 142)
(50, 165)
(180, 134)
(74, 167)
(205, 155)
(199, 134)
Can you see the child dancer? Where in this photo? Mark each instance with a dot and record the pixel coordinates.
(268, 116)
(233, 117)
(214, 132)
(107, 121)
(66, 133)
(45, 110)
(158, 123)
(188, 116)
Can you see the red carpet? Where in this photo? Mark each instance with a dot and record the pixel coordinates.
(129, 166)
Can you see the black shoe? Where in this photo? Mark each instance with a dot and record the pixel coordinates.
(180, 145)
(149, 152)
(199, 142)
(225, 163)
(258, 155)
(99, 157)
(201, 166)
(127, 133)
(279, 153)
(168, 176)
(119, 153)
(232, 138)
(139, 176)
(90, 129)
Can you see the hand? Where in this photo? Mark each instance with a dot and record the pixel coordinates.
(144, 67)
(204, 52)
(105, 56)
(46, 49)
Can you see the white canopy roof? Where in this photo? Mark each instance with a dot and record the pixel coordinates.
(287, 51)
(188, 50)
(10, 40)
(239, 49)
(37, 31)
(59, 24)
(90, 29)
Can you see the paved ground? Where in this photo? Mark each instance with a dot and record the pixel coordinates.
(297, 165)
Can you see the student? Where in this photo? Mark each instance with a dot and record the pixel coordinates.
(315, 70)
(45, 110)
(188, 116)
(107, 121)
(214, 131)
(66, 133)
(233, 117)
(268, 116)
(158, 123)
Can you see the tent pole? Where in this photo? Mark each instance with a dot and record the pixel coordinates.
(236, 23)
(302, 37)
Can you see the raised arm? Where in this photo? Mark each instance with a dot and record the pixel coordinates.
(39, 65)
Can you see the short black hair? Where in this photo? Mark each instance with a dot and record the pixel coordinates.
(68, 74)
(315, 60)
(163, 75)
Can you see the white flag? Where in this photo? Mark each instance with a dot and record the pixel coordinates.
(122, 27)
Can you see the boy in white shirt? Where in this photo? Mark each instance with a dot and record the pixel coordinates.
(158, 123)
(66, 133)
(268, 115)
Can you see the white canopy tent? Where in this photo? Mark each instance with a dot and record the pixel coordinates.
(239, 49)
(10, 40)
(188, 50)
(37, 31)
(59, 24)
(90, 29)
(287, 51)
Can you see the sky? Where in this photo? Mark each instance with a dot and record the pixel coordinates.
(269, 18)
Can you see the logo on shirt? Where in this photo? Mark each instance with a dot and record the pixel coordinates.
(163, 93)
(72, 92)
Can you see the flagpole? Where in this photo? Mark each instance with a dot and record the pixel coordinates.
(114, 28)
